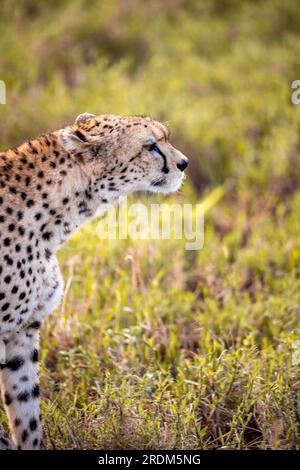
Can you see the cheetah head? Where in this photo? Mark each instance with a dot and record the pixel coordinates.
(133, 152)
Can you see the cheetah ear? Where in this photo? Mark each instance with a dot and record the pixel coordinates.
(73, 141)
(84, 117)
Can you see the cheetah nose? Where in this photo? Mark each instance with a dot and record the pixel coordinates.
(183, 164)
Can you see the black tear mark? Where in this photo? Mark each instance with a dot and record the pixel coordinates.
(165, 168)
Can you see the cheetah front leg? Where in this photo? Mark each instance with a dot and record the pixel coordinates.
(20, 388)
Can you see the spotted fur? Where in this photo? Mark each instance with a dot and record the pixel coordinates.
(49, 187)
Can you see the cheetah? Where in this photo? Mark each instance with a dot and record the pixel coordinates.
(49, 187)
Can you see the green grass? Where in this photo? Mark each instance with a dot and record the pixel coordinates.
(193, 354)
(156, 347)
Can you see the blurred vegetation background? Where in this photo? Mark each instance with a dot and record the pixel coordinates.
(155, 346)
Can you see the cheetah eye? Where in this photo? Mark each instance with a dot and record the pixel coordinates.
(152, 147)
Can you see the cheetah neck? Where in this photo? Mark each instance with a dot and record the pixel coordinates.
(53, 193)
